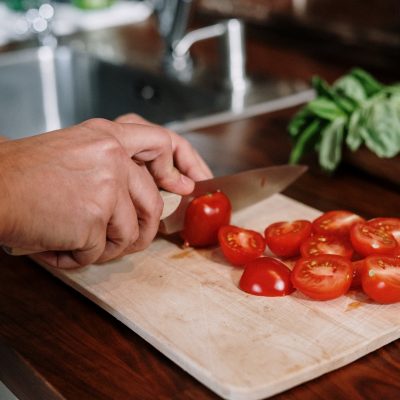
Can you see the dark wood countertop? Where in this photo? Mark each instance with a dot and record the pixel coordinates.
(56, 344)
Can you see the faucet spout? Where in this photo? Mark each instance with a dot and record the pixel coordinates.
(233, 55)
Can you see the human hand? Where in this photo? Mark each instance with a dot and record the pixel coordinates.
(89, 193)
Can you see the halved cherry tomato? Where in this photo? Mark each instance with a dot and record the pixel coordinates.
(368, 239)
(323, 277)
(391, 225)
(381, 278)
(284, 238)
(240, 245)
(204, 216)
(266, 276)
(326, 244)
(337, 222)
(358, 267)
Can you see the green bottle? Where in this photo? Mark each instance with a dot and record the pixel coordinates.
(92, 4)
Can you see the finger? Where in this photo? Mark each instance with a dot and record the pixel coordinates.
(122, 229)
(148, 205)
(132, 118)
(153, 145)
(188, 160)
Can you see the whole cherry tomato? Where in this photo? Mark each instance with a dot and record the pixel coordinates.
(284, 238)
(266, 276)
(323, 277)
(326, 244)
(240, 245)
(337, 222)
(368, 239)
(380, 278)
(204, 216)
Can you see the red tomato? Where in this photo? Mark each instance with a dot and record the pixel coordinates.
(358, 267)
(284, 238)
(336, 223)
(325, 244)
(204, 216)
(391, 225)
(239, 245)
(381, 279)
(367, 240)
(266, 276)
(323, 277)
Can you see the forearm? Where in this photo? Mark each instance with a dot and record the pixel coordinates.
(5, 198)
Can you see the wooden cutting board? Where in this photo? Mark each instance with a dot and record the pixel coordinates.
(186, 303)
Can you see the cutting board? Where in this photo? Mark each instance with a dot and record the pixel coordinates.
(186, 303)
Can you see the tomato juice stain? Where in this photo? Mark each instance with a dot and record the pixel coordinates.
(182, 254)
(353, 305)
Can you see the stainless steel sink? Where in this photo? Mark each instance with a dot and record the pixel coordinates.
(43, 89)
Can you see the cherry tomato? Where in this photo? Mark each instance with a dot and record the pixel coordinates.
(266, 276)
(323, 277)
(240, 245)
(203, 218)
(358, 267)
(336, 223)
(326, 244)
(284, 238)
(391, 225)
(381, 278)
(368, 239)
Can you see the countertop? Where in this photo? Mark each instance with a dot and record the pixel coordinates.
(56, 344)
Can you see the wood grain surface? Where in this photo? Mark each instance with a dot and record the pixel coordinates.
(186, 303)
(56, 344)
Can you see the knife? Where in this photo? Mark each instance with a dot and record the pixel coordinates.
(243, 189)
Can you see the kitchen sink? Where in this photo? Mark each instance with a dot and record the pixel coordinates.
(43, 89)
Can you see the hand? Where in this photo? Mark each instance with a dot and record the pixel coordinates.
(89, 193)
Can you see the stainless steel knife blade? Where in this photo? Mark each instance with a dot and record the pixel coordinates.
(243, 189)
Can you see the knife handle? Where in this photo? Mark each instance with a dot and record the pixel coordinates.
(171, 203)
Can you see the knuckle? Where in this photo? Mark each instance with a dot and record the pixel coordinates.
(97, 124)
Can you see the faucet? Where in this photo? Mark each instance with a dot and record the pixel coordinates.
(173, 16)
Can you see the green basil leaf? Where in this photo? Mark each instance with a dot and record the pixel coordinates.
(299, 121)
(381, 133)
(350, 87)
(325, 108)
(322, 88)
(330, 152)
(371, 85)
(305, 141)
(354, 138)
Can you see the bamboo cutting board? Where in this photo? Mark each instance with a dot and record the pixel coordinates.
(186, 303)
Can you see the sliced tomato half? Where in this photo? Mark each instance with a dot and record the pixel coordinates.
(284, 238)
(240, 245)
(358, 267)
(380, 278)
(338, 222)
(391, 225)
(368, 239)
(266, 276)
(326, 244)
(323, 277)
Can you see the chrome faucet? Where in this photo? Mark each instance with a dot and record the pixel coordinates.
(173, 16)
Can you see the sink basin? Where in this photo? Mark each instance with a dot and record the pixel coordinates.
(44, 89)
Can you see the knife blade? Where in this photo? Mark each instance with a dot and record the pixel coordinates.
(243, 189)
